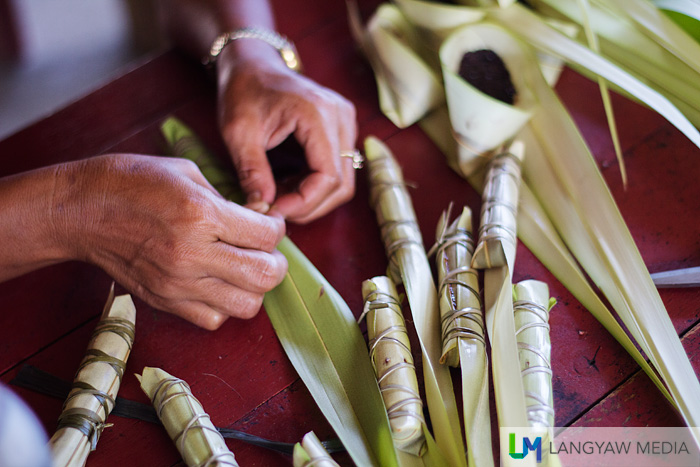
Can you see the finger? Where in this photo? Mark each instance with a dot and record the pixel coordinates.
(347, 136)
(227, 299)
(246, 228)
(339, 197)
(247, 145)
(250, 270)
(199, 313)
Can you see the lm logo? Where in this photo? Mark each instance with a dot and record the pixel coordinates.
(527, 447)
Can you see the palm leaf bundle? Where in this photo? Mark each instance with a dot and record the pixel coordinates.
(495, 253)
(318, 333)
(531, 306)
(409, 265)
(463, 330)
(390, 352)
(185, 420)
(96, 384)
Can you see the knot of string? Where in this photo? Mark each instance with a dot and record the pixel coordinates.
(86, 421)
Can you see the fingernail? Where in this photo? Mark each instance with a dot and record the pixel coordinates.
(258, 206)
(273, 211)
(254, 197)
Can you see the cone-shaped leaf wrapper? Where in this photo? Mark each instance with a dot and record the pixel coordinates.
(96, 384)
(390, 352)
(463, 332)
(481, 123)
(185, 420)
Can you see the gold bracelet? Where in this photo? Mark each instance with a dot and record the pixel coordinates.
(284, 46)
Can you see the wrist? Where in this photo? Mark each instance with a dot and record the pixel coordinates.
(67, 210)
(253, 46)
(28, 231)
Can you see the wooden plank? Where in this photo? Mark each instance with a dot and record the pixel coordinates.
(637, 403)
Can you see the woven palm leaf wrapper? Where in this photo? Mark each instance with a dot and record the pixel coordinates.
(311, 453)
(96, 383)
(409, 265)
(392, 360)
(499, 209)
(184, 418)
(531, 306)
(463, 332)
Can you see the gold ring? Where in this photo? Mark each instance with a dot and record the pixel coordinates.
(357, 158)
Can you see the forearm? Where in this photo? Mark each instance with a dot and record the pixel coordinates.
(194, 24)
(28, 236)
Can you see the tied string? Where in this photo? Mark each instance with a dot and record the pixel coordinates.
(81, 388)
(504, 164)
(408, 238)
(494, 231)
(396, 233)
(98, 356)
(119, 326)
(390, 336)
(163, 395)
(541, 411)
(412, 397)
(471, 321)
(85, 421)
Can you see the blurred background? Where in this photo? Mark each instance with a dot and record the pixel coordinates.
(52, 52)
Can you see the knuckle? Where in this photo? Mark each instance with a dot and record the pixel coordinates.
(347, 107)
(267, 274)
(250, 305)
(213, 321)
(271, 235)
(186, 165)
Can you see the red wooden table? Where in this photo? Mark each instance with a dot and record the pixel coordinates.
(240, 372)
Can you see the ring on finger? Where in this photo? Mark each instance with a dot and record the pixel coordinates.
(357, 158)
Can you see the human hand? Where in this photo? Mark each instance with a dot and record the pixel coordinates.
(159, 229)
(261, 103)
